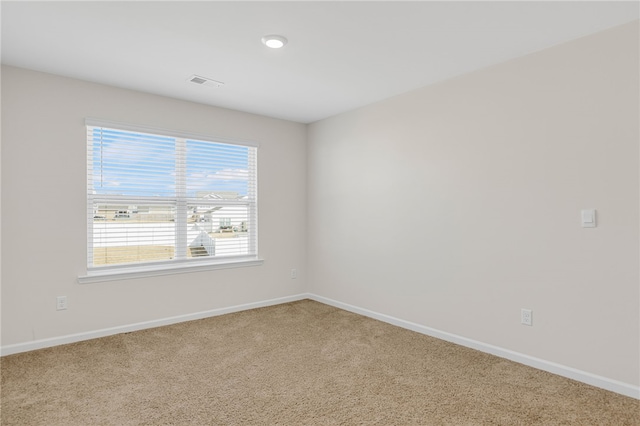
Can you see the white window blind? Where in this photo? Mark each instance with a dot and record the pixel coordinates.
(158, 198)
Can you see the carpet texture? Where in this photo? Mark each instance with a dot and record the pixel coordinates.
(300, 363)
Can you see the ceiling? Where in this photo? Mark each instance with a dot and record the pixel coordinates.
(340, 55)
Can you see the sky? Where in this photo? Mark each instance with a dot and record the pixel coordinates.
(139, 164)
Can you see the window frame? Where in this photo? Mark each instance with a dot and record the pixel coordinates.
(181, 264)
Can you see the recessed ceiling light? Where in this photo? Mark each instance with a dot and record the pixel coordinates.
(274, 41)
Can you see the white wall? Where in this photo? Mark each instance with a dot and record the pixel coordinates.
(43, 205)
(458, 204)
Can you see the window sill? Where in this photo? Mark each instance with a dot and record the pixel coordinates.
(102, 275)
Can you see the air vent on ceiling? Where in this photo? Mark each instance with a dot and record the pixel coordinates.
(204, 81)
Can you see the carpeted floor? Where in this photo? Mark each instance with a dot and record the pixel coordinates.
(301, 363)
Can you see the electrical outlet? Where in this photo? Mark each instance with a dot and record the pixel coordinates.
(526, 316)
(61, 303)
(294, 273)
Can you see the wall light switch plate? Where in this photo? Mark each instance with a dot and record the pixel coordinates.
(588, 218)
(61, 303)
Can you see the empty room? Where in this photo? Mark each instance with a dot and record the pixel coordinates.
(321, 213)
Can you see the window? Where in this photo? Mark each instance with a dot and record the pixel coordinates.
(161, 200)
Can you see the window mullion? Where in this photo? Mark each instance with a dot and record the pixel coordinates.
(181, 196)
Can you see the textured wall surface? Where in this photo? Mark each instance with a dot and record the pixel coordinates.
(44, 204)
(457, 205)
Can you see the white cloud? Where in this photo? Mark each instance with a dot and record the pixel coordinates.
(230, 174)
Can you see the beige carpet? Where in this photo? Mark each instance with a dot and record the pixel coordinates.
(301, 363)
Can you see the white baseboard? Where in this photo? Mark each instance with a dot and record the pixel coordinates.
(561, 370)
(551, 367)
(72, 338)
